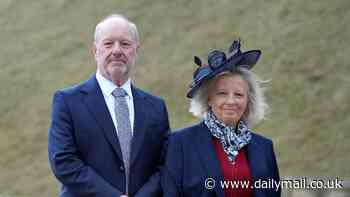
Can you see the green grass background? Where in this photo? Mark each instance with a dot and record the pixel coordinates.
(46, 45)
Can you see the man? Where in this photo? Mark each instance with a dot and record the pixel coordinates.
(106, 135)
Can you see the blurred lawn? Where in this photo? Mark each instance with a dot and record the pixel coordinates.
(305, 44)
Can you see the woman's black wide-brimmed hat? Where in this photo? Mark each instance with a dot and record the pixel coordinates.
(218, 62)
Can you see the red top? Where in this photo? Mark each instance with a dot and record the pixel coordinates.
(239, 172)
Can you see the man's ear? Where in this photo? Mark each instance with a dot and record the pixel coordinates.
(93, 49)
(137, 47)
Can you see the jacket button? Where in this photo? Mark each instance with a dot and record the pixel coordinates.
(121, 168)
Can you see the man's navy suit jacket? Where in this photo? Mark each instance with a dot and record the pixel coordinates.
(191, 159)
(84, 150)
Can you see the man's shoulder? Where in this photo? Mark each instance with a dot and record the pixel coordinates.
(74, 89)
(142, 93)
(71, 90)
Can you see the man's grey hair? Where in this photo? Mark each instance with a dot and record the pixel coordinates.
(132, 27)
(256, 108)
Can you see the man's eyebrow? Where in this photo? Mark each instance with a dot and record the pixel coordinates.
(121, 39)
(106, 39)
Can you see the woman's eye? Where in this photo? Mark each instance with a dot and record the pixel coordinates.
(239, 94)
(221, 93)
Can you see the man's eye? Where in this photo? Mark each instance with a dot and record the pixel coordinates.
(126, 43)
(108, 44)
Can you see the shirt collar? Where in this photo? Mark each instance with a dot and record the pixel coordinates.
(108, 86)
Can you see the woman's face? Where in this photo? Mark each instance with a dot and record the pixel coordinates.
(228, 98)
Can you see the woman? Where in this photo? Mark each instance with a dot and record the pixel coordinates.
(228, 97)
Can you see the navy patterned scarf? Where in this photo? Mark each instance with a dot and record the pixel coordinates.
(231, 140)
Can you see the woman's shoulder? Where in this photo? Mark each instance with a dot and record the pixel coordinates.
(260, 139)
(186, 132)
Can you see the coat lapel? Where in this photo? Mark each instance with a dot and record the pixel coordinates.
(208, 156)
(96, 105)
(139, 123)
(255, 155)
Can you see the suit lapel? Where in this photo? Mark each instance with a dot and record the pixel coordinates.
(208, 156)
(139, 123)
(96, 105)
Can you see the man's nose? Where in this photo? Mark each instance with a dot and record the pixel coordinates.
(116, 48)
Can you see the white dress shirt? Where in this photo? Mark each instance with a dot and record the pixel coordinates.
(107, 88)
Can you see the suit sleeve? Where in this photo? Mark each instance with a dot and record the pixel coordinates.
(65, 160)
(171, 172)
(275, 192)
(153, 187)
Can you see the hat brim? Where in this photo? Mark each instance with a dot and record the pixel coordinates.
(193, 89)
(249, 58)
